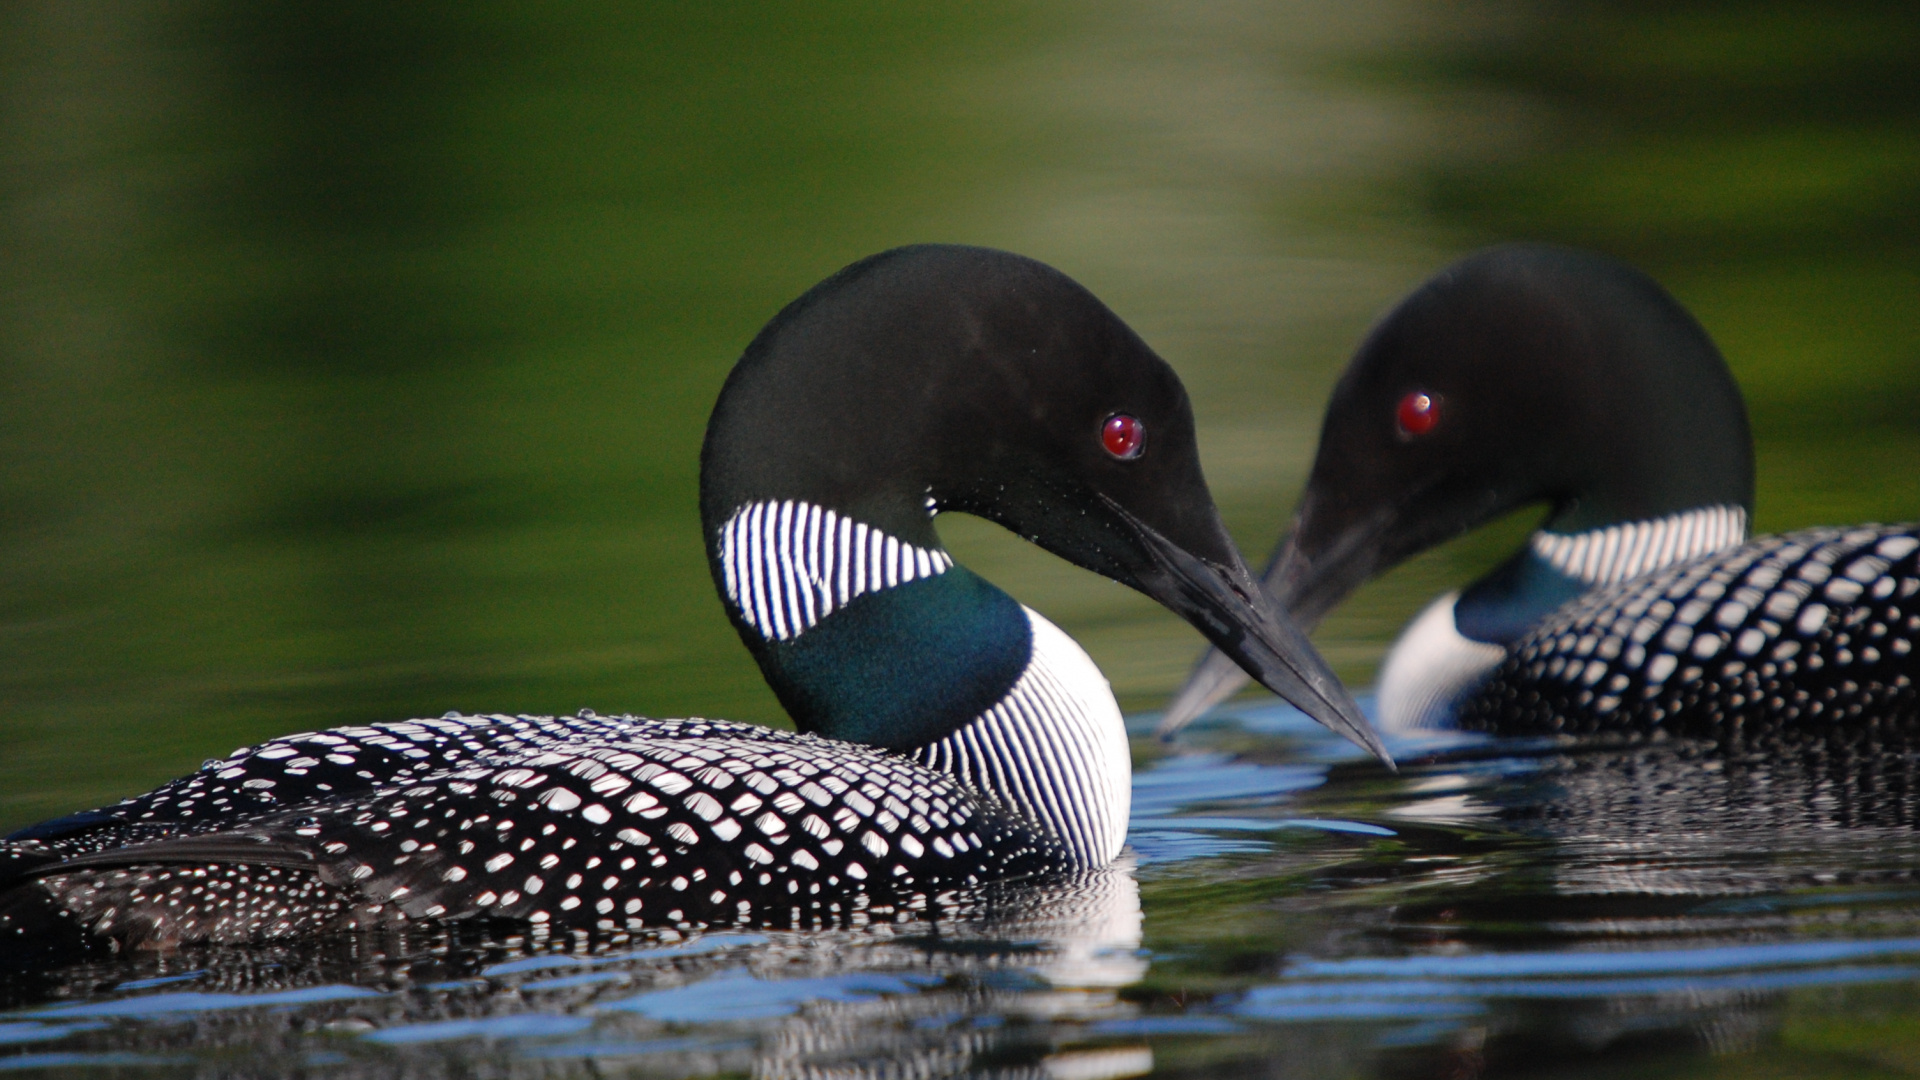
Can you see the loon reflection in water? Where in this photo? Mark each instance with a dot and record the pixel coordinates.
(950, 737)
(765, 1002)
(1531, 374)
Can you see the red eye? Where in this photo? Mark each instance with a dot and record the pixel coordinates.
(1417, 414)
(1123, 436)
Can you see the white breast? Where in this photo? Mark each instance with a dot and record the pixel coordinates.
(1428, 668)
(1054, 748)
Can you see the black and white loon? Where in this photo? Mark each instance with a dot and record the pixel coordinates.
(950, 737)
(1532, 374)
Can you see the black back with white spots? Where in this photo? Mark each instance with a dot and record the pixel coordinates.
(298, 769)
(1803, 628)
(608, 822)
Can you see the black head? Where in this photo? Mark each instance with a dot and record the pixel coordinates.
(969, 379)
(1519, 375)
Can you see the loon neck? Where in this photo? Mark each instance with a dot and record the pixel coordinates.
(870, 639)
(1558, 565)
(1054, 747)
(863, 636)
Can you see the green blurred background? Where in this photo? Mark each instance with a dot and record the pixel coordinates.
(355, 356)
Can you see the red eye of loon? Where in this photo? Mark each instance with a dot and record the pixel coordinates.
(1123, 436)
(1417, 414)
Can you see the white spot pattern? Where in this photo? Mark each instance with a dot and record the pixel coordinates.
(1812, 625)
(484, 833)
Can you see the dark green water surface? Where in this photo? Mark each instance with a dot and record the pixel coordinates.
(353, 365)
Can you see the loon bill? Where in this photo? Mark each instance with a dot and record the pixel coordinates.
(1539, 375)
(948, 736)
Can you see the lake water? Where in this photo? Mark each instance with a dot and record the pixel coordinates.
(355, 363)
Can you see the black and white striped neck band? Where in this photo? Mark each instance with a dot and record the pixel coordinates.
(1627, 550)
(790, 564)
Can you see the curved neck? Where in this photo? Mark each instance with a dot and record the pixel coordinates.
(872, 640)
(863, 636)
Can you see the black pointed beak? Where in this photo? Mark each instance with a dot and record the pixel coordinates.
(1249, 626)
(1306, 586)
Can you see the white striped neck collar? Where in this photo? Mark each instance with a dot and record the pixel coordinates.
(787, 565)
(1628, 549)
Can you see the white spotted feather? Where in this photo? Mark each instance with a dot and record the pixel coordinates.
(646, 823)
(1810, 626)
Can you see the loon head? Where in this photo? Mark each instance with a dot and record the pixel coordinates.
(953, 378)
(1520, 375)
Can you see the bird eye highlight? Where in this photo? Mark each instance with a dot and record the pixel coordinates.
(1123, 436)
(1417, 413)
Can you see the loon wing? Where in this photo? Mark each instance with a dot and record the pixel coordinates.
(686, 823)
(250, 848)
(311, 767)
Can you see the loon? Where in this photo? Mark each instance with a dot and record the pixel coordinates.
(948, 737)
(1532, 374)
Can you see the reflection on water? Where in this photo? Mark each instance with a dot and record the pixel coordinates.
(911, 999)
(1545, 901)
